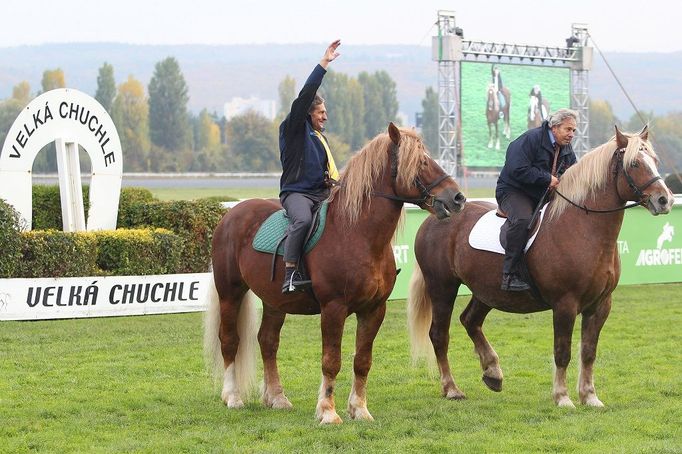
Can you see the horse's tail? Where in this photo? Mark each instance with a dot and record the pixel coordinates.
(247, 329)
(419, 318)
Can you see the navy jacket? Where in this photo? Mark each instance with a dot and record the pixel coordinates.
(528, 165)
(303, 157)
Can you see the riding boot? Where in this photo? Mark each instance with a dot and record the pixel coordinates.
(294, 280)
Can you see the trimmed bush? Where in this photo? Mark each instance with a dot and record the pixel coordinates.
(193, 220)
(10, 239)
(52, 253)
(674, 182)
(47, 207)
(138, 252)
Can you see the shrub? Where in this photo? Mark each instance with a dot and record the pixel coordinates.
(52, 253)
(193, 220)
(10, 239)
(133, 252)
(47, 207)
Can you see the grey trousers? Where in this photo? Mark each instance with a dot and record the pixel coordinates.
(299, 208)
(519, 209)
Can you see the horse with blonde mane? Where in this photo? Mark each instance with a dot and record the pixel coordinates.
(574, 263)
(352, 268)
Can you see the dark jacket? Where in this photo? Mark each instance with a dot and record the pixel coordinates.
(528, 164)
(303, 157)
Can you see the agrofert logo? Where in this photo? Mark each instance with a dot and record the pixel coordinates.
(661, 255)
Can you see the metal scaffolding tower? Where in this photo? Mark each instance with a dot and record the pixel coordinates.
(449, 49)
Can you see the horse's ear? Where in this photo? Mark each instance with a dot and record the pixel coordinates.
(644, 133)
(621, 140)
(394, 133)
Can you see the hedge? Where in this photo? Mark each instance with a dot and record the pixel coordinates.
(193, 220)
(138, 252)
(52, 253)
(47, 208)
(140, 245)
(10, 239)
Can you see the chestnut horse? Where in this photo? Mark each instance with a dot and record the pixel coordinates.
(536, 105)
(574, 262)
(352, 268)
(492, 115)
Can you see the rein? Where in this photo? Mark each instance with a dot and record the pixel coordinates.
(426, 197)
(638, 190)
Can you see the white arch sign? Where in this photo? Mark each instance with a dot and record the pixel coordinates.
(69, 118)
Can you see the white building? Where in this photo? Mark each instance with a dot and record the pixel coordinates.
(239, 106)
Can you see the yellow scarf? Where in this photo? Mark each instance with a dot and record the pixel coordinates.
(331, 165)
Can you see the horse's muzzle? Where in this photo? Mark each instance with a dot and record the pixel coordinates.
(448, 202)
(660, 203)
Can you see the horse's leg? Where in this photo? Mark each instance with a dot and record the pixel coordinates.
(229, 342)
(368, 327)
(497, 136)
(333, 317)
(564, 319)
(268, 338)
(591, 327)
(442, 303)
(490, 135)
(472, 319)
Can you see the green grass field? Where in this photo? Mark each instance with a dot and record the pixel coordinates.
(137, 384)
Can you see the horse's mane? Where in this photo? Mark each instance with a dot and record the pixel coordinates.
(592, 172)
(364, 169)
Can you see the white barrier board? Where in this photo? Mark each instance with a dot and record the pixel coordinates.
(74, 297)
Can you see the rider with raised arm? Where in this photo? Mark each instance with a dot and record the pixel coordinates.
(307, 167)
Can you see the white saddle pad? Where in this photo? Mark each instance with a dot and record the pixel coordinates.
(486, 233)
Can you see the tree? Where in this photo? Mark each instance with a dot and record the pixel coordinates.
(253, 143)
(287, 94)
(168, 96)
(10, 108)
(381, 101)
(52, 79)
(430, 111)
(106, 86)
(22, 92)
(346, 108)
(130, 113)
(602, 122)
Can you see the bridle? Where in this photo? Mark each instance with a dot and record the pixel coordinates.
(426, 198)
(643, 198)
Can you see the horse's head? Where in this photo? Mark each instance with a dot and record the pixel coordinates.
(641, 181)
(418, 179)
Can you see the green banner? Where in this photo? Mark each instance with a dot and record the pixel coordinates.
(650, 248)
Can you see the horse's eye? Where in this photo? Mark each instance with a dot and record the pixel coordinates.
(634, 164)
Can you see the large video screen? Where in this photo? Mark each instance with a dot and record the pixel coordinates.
(527, 95)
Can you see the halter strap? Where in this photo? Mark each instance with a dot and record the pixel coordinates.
(638, 190)
(427, 198)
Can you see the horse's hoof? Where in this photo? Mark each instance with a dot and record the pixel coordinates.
(330, 417)
(565, 402)
(593, 401)
(279, 403)
(360, 414)
(234, 402)
(494, 384)
(455, 394)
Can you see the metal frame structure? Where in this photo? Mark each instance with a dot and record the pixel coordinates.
(449, 49)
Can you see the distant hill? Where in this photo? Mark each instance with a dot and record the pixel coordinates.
(215, 74)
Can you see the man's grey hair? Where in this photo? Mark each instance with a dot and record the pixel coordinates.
(316, 102)
(558, 117)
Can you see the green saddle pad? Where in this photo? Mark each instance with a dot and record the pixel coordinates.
(272, 231)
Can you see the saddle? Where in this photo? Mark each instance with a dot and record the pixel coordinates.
(271, 234)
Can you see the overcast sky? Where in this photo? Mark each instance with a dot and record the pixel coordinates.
(650, 26)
